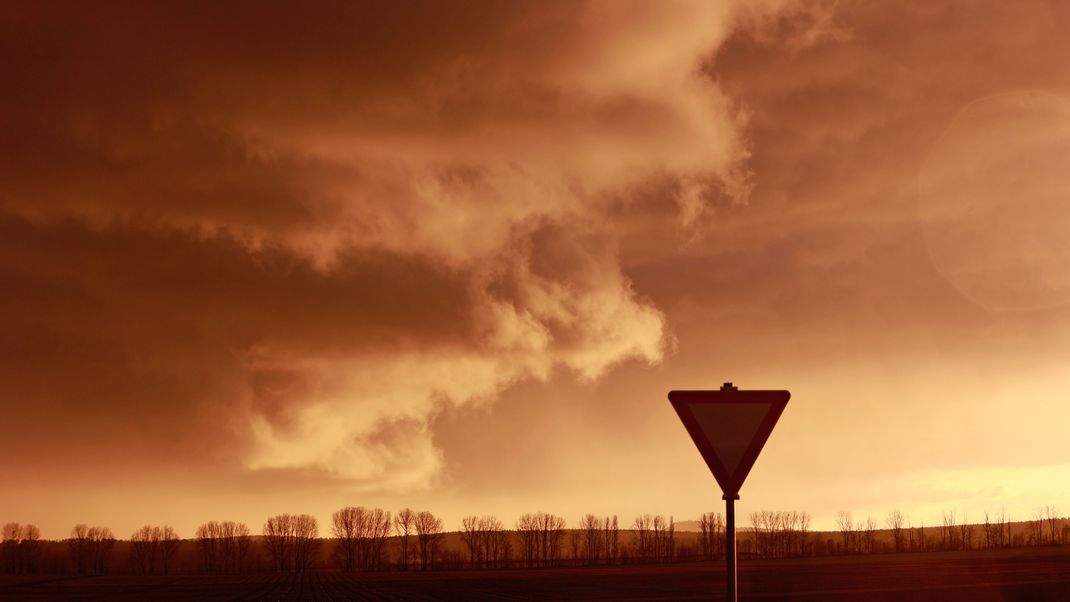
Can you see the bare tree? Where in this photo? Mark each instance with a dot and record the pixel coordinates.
(379, 524)
(894, 521)
(292, 540)
(428, 537)
(169, 542)
(527, 529)
(472, 538)
(993, 531)
(759, 532)
(29, 548)
(207, 549)
(101, 542)
(243, 540)
(404, 523)
(869, 532)
(31, 545)
(346, 527)
(484, 538)
(494, 541)
(965, 533)
(947, 530)
(804, 529)
(144, 544)
(642, 526)
(211, 547)
(787, 539)
(20, 546)
(705, 538)
(613, 540)
(662, 539)
(11, 536)
(305, 541)
(658, 532)
(278, 537)
(575, 545)
(223, 547)
(671, 540)
(152, 547)
(80, 549)
(845, 524)
(1036, 528)
(756, 533)
(712, 527)
(226, 545)
(551, 532)
(1051, 515)
(591, 528)
(774, 534)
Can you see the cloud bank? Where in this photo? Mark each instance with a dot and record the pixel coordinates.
(285, 238)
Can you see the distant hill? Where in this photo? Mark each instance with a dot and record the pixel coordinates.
(688, 526)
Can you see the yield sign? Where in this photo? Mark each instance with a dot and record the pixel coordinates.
(730, 428)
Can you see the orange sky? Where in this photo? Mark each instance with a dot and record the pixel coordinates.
(260, 260)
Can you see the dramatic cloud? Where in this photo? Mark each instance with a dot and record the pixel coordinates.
(826, 283)
(268, 258)
(292, 236)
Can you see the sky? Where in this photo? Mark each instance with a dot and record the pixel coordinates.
(258, 259)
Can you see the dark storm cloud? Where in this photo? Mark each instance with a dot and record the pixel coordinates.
(285, 234)
(123, 326)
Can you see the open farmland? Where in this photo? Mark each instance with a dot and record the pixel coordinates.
(1033, 574)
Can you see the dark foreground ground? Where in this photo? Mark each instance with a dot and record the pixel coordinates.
(962, 577)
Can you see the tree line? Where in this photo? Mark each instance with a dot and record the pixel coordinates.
(372, 539)
(954, 532)
(20, 548)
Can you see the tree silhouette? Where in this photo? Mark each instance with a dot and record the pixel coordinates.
(428, 536)
(11, 537)
(642, 535)
(80, 549)
(345, 525)
(378, 529)
(591, 528)
(169, 543)
(845, 524)
(222, 546)
(527, 529)
(30, 548)
(101, 541)
(20, 546)
(711, 526)
(471, 536)
(540, 535)
(278, 537)
(1051, 516)
(90, 548)
(305, 541)
(404, 523)
(894, 520)
(143, 547)
(485, 539)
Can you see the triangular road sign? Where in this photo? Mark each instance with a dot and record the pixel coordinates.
(729, 427)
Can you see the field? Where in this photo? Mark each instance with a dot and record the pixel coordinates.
(1033, 574)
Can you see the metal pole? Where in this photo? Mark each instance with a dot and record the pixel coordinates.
(730, 545)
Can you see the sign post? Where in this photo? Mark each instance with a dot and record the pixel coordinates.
(729, 427)
(730, 545)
